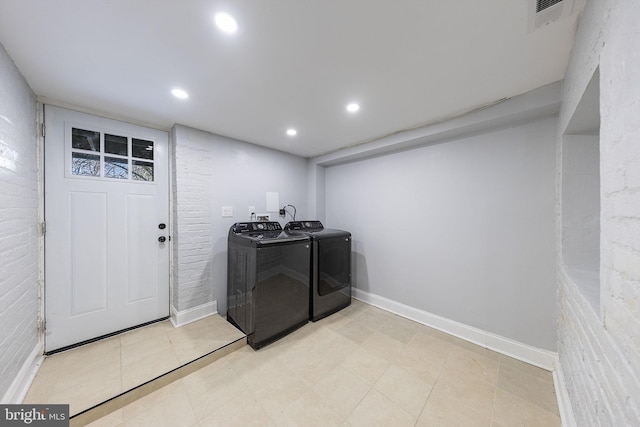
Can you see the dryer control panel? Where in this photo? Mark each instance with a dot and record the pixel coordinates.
(304, 226)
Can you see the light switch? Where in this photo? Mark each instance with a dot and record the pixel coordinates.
(227, 211)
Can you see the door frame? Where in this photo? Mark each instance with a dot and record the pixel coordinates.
(41, 132)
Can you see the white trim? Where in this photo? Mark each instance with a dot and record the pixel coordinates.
(535, 356)
(181, 318)
(100, 113)
(564, 400)
(20, 386)
(41, 220)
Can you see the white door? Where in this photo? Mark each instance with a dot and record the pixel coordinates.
(106, 212)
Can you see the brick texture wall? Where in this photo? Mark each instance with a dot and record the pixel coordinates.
(18, 222)
(192, 228)
(600, 351)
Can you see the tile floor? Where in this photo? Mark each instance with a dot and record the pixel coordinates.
(360, 367)
(90, 374)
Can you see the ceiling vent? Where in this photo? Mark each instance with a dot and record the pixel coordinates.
(544, 12)
(545, 4)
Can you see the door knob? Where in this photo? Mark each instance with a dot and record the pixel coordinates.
(162, 239)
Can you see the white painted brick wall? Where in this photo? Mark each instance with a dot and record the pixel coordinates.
(18, 222)
(192, 229)
(600, 352)
(211, 171)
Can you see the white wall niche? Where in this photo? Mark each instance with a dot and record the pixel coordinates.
(581, 194)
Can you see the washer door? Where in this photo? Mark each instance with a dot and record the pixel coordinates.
(334, 265)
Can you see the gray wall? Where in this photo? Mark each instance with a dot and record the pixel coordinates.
(18, 222)
(463, 229)
(211, 171)
(599, 345)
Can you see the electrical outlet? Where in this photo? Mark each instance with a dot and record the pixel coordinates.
(252, 211)
(282, 213)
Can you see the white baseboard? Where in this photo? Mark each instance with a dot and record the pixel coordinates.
(181, 318)
(535, 356)
(21, 383)
(564, 401)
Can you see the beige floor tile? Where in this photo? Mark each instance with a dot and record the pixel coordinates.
(158, 398)
(475, 396)
(90, 391)
(423, 364)
(355, 331)
(81, 386)
(166, 406)
(404, 389)
(149, 347)
(448, 416)
(114, 419)
(374, 318)
(211, 388)
(471, 365)
(146, 332)
(528, 387)
(429, 343)
(89, 374)
(355, 309)
(526, 368)
(339, 348)
(309, 410)
(190, 351)
(443, 336)
(277, 398)
(475, 348)
(139, 370)
(241, 410)
(399, 329)
(266, 377)
(458, 405)
(375, 409)
(510, 410)
(382, 345)
(361, 366)
(97, 350)
(313, 366)
(334, 321)
(81, 364)
(366, 365)
(342, 390)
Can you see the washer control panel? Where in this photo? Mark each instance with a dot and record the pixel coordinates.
(252, 227)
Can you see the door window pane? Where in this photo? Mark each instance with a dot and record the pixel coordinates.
(116, 168)
(85, 164)
(114, 144)
(85, 139)
(142, 171)
(142, 149)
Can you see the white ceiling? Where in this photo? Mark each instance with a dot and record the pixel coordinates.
(292, 63)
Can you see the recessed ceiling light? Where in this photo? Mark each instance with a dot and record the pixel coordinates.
(226, 22)
(353, 107)
(292, 132)
(179, 93)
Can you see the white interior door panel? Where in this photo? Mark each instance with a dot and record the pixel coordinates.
(106, 194)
